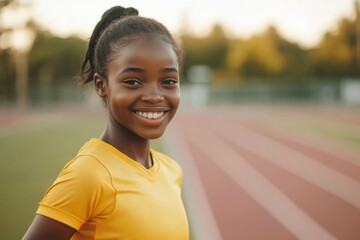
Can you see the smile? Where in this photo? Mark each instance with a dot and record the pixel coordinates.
(150, 115)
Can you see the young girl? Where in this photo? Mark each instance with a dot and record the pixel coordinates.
(116, 187)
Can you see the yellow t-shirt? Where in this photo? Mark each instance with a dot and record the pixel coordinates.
(104, 194)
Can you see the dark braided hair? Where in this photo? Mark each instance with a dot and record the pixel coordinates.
(118, 26)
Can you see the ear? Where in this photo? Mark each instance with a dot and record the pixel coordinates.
(100, 85)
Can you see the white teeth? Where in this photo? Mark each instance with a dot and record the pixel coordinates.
(151, 115)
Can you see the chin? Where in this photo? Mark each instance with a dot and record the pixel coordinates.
(152, 135)
(155, 136)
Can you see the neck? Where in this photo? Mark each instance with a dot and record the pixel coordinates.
(128, 143)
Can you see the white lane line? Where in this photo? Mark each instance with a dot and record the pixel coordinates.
(255, 184)
(200, 212)
(295, 162)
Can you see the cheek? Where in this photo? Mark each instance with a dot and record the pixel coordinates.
(119, 102)
(175, 98)
(178, 98)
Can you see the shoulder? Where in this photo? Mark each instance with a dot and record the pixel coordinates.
(82, 191)
(83, 175)
(89, 162)
(85, 167)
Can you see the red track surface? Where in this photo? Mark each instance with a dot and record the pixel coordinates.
(245, 179)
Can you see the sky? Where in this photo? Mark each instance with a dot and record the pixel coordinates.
(301, 21)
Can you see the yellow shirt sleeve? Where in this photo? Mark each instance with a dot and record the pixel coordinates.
(83, 192)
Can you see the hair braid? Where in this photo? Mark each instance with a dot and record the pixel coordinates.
(108, 17)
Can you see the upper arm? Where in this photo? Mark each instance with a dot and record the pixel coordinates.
(81, 193)
(45, 228)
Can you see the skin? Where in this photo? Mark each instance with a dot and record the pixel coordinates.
(143, 77)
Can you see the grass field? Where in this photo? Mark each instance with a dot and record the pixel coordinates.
(31, 158)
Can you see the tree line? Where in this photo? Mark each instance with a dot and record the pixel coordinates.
(266, 56)
(270, 57)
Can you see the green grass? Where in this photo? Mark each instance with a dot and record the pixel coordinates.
(30, 161)
(338, 133)
(346, 136)
(343, 134)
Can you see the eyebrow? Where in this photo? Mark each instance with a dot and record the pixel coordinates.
(141, 70)
(132, 69)
(170, 69)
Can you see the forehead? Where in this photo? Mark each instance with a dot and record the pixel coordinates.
(146, 48)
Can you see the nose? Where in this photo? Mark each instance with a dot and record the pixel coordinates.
(152, 94)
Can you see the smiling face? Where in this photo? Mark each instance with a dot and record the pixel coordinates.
(142, 90)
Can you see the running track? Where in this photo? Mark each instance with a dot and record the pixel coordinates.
(247, 179)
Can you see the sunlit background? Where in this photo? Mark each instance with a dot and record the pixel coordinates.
(287, 71)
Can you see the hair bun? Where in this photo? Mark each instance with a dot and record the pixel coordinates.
(118, 12)
(130, 11)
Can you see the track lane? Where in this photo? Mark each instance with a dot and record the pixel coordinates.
(332, 214)
(292, 160)
(254, 183)
(339, 161)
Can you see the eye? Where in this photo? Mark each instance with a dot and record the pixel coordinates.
(132, 82)
(169, 81)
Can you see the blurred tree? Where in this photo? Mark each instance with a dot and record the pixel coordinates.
(270, 56)
(266, 55)
(338, 54)
(7, 70)
(54, 59)
(216, 45)
(357, 35)
(296, 64)
(210, 50)
(16, 38)
(7, 76)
